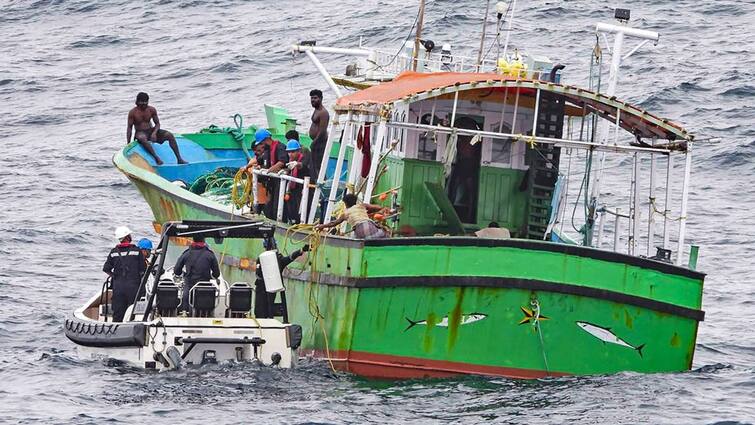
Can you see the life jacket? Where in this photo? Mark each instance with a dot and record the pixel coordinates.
(295, 172)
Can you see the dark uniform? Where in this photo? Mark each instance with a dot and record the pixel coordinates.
(263, 300)
(274, 153)
(125, 264)
(200, 263)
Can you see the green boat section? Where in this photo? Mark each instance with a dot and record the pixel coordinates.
(429, 305)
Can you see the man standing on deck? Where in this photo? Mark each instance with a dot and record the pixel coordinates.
(200, 263)
(318, 131)
(125, 266)
(141, 118)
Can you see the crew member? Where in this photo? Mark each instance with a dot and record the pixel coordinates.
(356, 215)
(145, 247)
(299, 164)
(263, 300)
(141, 118)
(200, 264)
(273, 159)
(318, 131)
(125, 266)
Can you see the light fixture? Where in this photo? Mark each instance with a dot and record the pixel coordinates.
(500, 8)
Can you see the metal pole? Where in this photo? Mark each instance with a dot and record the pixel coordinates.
(637, 214)
(508, 31)
(332, 131)
(537, 110)
(453, 112)
(666, 201)
(282, 185)
(601, 221)
(336, 180)
(685, 196)
(482, 39)
(616, 230)
(356, 154)
(380, 143)
(633, 202)
(323, 72)
(651, 207)
(304, 203)
(516, 108)
(418, 34)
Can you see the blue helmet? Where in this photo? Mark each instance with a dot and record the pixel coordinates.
(261, 135)
(293, 145)
(144, 244)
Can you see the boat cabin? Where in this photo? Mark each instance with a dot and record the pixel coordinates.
(463, 150)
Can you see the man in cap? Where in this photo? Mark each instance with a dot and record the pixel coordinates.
(125, 266)
(200, 263)
(300, 166)
(141, 118)
(273, 158)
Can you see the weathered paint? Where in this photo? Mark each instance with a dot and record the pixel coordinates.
(364, 329)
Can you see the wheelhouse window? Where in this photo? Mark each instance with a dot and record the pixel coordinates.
(427, 148)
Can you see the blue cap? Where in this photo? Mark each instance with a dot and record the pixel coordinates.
(261, 135)
(293, 145)
(144, 244)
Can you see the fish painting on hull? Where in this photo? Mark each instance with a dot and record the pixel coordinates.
(465, 320)
(605, 335)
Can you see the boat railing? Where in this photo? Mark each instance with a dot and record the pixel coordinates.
(616, 213)
(388, 64)
(285, 180)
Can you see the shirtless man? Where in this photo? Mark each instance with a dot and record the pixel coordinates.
(140, 117)
(318, 131)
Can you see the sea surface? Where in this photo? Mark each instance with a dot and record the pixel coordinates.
(69, 72)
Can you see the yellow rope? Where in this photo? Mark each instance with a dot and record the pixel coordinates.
(315, 239)
(245, 197)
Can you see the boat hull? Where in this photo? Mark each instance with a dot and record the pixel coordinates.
(416, 307)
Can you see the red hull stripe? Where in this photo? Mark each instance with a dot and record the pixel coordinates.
(384, 366)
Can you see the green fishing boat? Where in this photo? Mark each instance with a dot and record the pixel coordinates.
(479, 275)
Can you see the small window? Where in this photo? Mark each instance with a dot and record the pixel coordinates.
(500, 149)
(428, 147)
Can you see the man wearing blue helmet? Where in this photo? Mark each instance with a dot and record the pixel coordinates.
(145, 246)
(300, 164)
(270, 155)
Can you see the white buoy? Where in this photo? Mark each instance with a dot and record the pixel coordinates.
(271, 272)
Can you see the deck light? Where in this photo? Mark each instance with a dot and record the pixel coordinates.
(500, 8)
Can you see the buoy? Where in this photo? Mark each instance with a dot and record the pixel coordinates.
(271, 271)
(383, 196)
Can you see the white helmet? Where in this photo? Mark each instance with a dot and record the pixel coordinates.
(121, 232)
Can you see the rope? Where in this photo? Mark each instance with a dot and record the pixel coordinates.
(236, 133)
(536, 324)
(245, 180)
(315, 239)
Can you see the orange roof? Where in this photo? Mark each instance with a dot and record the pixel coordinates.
(409, 83)
(633, 119)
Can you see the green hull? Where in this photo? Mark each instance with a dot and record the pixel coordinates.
(415, 307)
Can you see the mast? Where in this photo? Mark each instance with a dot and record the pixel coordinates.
(482, 38)
(420, 18)
(622, 30)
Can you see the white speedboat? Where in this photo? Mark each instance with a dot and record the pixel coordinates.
(221, 328)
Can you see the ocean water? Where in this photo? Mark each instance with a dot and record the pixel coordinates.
(69, 71)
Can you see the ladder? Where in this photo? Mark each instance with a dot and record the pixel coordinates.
(543, 163)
